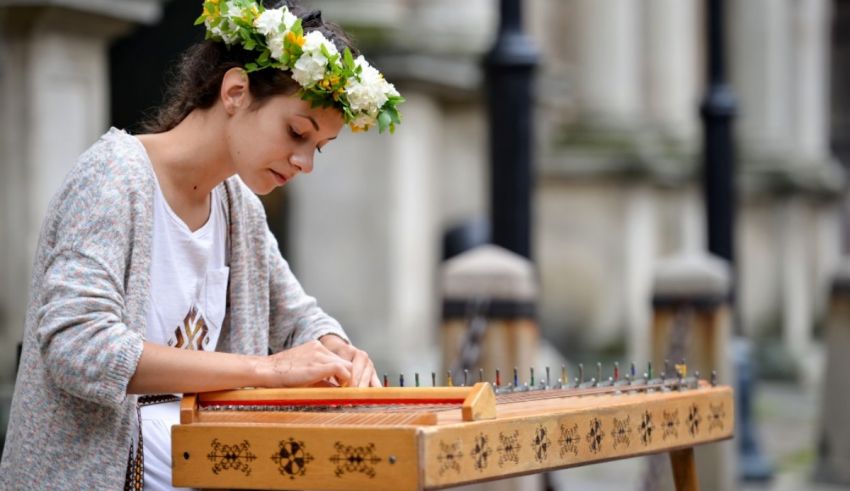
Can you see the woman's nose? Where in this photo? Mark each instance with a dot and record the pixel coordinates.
(304, 163)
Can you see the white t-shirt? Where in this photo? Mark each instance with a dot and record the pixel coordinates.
(189, 276)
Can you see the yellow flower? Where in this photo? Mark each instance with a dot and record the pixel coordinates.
(330, 82)
(358, 129)
(295, 39)
(249, 14)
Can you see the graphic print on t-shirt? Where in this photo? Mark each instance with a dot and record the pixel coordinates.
(193, 334)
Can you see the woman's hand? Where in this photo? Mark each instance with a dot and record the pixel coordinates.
(305, 365)
(363, 370)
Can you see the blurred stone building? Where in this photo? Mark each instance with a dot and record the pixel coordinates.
(617, 157)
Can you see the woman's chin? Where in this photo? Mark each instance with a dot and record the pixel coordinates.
(260, 187)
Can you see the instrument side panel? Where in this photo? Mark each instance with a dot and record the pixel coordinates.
(532, 442)
(268, 456)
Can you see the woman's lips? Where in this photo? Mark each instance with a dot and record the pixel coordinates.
(279, 179)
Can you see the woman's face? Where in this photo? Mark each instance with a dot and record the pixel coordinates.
(272, 144)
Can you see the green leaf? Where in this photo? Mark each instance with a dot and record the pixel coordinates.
(384, 121)
(349, 60)
(264, 56)
(251, 67)
(394, 114)
(200, 19)
(250, 44)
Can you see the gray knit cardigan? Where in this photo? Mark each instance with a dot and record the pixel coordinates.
(71, 419)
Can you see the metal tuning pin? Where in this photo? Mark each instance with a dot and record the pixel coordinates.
(582, 384)
(637, 379)
(433, 379)
(588, 384)
(714, 378)
(682, 369)
(548, 379)
(416, 379)
(666, 372)
(531, 383)
(498, 378)
(401, 380)
(693, 381)
(480, 375)
(651, 380)
(632, 371)
(617, 381)
(449, 380)
(565, 376)
(601, 381)
(386, 381)
(519, 387)
(465, 377)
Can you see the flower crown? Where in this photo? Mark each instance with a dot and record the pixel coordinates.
(327, 77)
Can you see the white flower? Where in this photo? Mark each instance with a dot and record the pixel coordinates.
(363, 121)
(268, 23)
(226, 30)
(313, 42)
(309, 69)
(273, 21)
(370, 92)
(275, 43)
(288, 19)
(312, 65)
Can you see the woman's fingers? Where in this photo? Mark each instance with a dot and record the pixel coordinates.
(375, 382)
(361, 369)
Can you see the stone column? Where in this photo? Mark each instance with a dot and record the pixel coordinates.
(609, 57)
(54, 93)
(811, 29)
(781, 74)
(672, 64)
(639, 251)
(761, 70)
(364, 235)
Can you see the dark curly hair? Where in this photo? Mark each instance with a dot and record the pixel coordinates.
(197, 77)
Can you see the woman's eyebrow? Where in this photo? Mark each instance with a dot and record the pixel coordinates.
(315, 124)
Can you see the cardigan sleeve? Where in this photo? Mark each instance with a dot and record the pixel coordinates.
(87, 348)
(295, 316)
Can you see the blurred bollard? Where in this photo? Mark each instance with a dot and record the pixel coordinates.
(692, 322)
(466, 235)
(833, 465)
(489, 303)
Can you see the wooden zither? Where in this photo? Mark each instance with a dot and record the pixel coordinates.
(400, 438)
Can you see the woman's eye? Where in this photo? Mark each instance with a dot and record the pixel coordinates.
(295, 134)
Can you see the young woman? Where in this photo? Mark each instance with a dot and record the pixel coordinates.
(155, 271)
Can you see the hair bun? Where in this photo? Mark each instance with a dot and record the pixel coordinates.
(312, 19)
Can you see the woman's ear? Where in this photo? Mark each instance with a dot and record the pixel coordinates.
(234, 90)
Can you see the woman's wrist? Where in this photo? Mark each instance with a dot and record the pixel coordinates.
(259, 371)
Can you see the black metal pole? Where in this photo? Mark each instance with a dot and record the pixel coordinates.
(509, 68)
(718, 111)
